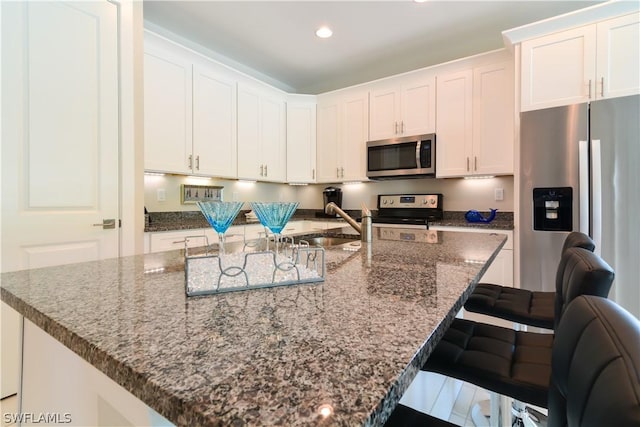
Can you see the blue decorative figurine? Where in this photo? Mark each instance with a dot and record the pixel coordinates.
(475, 216)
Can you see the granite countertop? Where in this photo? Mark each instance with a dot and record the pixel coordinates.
(261, 357)
(172, 221)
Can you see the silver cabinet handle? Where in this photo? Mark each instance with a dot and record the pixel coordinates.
(190, 161)
(337, 172)
(266, 172)
(106, 224)
(602, 87)
(467, 164)
(261, 170)
(402, 127)
(396, 131)
(181, 241)
(198, 162)
(313, 174)
(342, 172)
(589, 88)
(475, 163)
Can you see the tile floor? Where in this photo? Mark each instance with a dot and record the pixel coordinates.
(8, 405)
(446, 398)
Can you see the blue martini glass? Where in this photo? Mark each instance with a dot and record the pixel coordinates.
(274, 215)
(220, 215)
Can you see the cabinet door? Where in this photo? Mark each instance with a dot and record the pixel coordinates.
(170, 240)
(559, 69)
(493, 118)
(418, 106)
(167, 112)
(250, 164)
(454, 124)
(214, 124)
(385, 113)
(328, 141)
(354, 138)
(273, 139)
(618, 56)
(301, 142)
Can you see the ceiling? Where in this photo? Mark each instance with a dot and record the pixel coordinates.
(275, 40)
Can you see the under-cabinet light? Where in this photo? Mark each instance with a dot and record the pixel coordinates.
(479, 177)
(154, 174)
(298, 183)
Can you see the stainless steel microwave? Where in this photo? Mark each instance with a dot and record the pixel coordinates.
(403, 157)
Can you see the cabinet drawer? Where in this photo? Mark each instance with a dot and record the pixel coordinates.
(170, 240)
(509, 233)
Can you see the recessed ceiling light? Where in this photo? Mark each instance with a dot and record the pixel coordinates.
(324, 32)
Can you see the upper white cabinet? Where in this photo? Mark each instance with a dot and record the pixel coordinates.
(618, 56)
(475, 121)
(301, 138)
(586, 63)
(261, 134)
(405, 107)
(342, 121)
(214, 123)
(167, 111)
(189, 112)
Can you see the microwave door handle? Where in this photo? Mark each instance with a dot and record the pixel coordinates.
(418, 154)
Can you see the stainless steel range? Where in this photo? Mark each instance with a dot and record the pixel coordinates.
(409, 209)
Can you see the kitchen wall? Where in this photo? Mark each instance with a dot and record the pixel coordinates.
(459, 194)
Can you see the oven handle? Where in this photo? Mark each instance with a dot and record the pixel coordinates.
(418, 153)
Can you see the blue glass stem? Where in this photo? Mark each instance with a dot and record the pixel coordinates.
(221, 243)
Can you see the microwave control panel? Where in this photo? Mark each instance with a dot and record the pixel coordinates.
(412, 201)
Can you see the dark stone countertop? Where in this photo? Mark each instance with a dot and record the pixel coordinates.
(173, 221)
(261, 357)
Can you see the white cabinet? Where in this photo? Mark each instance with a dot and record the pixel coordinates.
(301, 139)
(169, 240)
(342, 136)
(214, 123)
(189, 112)
(167, 111)
(581, 64)
(454, 137)
(261, 134)
(404, 108)
(475, 121)
(618, 56)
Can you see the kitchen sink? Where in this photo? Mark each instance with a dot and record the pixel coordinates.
(327, 241)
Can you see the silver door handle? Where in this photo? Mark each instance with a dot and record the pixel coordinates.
(107, 224)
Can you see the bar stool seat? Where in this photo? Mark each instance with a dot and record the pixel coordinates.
(516, 363)
(521, 305)
(595, 367)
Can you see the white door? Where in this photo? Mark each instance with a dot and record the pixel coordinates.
(60, 133)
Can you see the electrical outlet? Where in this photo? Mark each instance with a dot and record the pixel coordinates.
(161, 195)
(499, 194)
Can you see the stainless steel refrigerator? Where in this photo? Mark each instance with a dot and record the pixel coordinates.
(580, 170)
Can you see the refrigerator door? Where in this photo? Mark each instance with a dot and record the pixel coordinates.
(615, 158)
(549, 158)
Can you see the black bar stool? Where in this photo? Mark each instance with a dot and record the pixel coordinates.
(521, 305)
(516, 363)
(595, 370)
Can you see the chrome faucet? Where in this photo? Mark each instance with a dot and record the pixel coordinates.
(363, 229)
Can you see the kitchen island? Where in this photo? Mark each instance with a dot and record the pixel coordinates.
(340, 352)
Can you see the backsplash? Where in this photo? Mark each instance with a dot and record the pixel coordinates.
(459, 194)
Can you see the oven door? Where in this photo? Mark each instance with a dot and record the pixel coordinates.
(401, 157)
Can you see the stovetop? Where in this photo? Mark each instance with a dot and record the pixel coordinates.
(414, 209)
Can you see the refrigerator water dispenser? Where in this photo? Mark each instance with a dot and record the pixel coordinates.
(552, 209)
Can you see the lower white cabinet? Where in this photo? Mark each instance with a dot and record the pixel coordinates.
(58, 383)
(500, 271)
